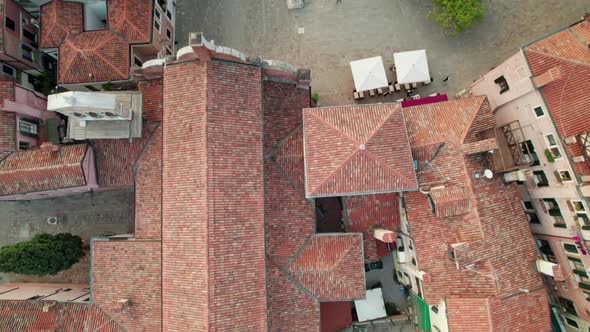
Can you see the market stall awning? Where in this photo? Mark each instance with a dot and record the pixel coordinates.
(368, 73)
(411, 66)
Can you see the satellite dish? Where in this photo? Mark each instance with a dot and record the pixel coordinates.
(488, 174)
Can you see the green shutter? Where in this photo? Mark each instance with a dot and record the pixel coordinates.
(423, 314)
(584, 285)
(574, 259)
(581, 273)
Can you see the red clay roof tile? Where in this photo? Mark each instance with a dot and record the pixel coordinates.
(567, 98)
(132, 19)
(39, 170)
(450, 201)
(93, 56)
(58, 20)
(359, 156)
(331, 267)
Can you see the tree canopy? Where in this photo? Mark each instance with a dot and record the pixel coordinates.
(45, 254)
(457, 15)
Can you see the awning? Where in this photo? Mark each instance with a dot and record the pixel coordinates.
(411, 67)
(422, 314)
(372, 307)
(368, 74)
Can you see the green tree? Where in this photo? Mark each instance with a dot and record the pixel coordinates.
(45, 254)
(457, 15)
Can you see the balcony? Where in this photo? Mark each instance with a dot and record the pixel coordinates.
(511, 154)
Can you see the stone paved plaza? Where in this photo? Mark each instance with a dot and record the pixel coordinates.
(335, 34)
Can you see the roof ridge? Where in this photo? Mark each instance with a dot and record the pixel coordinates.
(381, 123)
(472, 117)
(354, 153)
(385, 166)
(335, 128)
(41, 168)
(108, 62)
(568, 60)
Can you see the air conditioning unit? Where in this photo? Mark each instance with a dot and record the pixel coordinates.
(401, 256)
(53, 220)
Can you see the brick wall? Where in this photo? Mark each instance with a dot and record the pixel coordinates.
(152, 98)
(184, 225)
(148, 189)
(129, 270)
(7, 119)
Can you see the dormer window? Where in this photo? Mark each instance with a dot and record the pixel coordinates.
(452, 254)
(431, 203)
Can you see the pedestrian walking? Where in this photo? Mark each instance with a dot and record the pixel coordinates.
(445, 79)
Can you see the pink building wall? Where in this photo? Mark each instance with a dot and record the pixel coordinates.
(30, 104)
(13, 39)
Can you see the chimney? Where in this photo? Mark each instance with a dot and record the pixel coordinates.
(49, 147)
(121, 305)
(547, 77)
(384, 235)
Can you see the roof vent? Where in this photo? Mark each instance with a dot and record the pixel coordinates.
(488, 174)
(53, 220)
(363, 147)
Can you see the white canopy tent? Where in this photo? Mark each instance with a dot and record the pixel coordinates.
(368, 74)
(372, 307)
(411, 66)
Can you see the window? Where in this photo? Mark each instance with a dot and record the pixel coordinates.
(168, 50)
(539, 112)
(27, 128)
(158, 14)
(568, 305)
(527, 205)
(532, 217)
(552, 207)
(540, 179)
(22, 145)
(169, 14)
(431, 203)
(434, 309)
(6, 69)
(502, 83)
(571, 322)
(168, 33)
(157, 25)
(27, 53)
(138, 62)
(552, 146)
(578, 206)
(571, 248)
(583, 220)
(29, 35)
(35, 297)
(564, 176)
(452, 254)
(10, 24)
(546, 251)
(530, 153)
(91, 88)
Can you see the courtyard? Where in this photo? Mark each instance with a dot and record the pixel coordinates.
(325, 36)
(86, 215)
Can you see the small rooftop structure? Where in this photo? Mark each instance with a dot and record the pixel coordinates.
(353, 150)
(96, 115)
(371, 307)
(509, 154)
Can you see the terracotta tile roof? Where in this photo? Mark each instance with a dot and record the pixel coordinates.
(152, 99)
(59, 19)
(93, 56)
(288, 156)
(441, 122)
(331, 267)
(115, 158)
(494, 261)
(289, 308)
(54, 316)
(221, 161)
(7, 132)
(132, 19)
(285, 105)
(523, 312)
(360, 156)
(365, 212)
(129, 270)
(566, 97)
(39, 170)
(450, 201)
(461, 312)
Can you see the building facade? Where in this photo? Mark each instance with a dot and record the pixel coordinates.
(542, 86)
